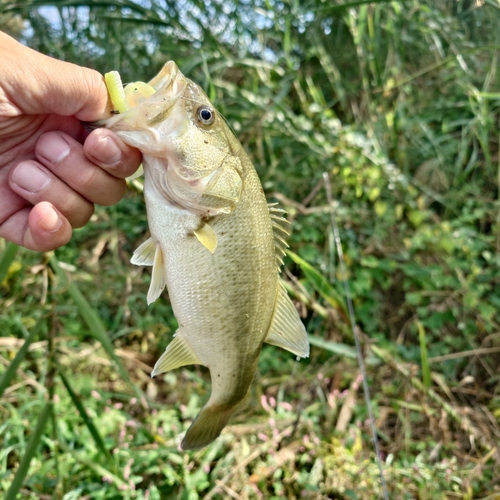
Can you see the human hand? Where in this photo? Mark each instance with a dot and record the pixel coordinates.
(51, 170)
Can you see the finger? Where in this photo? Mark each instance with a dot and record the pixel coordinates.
(65, 158)
(41, 228)
(36, 183)
(36, 84)
(106, 149)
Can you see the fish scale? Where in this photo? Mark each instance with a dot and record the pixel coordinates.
(215, 244)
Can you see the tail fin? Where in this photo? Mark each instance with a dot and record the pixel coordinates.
(206, 428)
(209, 423)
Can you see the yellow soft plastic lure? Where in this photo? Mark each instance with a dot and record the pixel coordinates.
(136, 92)
(126, 98)
(123, 99)
(116, 92)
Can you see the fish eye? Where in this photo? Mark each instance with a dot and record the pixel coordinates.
(206, 115)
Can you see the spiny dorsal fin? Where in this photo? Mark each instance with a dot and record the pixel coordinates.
(287, 330)
(207, 237)
(178, 353)
(281, 231)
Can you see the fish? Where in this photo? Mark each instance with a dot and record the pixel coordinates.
(216, 244)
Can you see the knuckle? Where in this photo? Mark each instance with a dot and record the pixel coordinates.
(78, 211)
(115, 194)
(83, 216)
(89, 179)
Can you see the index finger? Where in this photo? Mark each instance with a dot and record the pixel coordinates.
(104, 148)
(38, 84)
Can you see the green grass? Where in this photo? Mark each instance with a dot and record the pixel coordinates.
(398, 102)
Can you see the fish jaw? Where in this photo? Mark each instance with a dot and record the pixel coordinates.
(148, 124)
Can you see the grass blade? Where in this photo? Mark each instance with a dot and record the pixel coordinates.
(94, 323)
(493, 3)
(11, 369)
(86, 419)
(98, 469)
(6, 259)
(320, 283)
(350, 5)
(334, 347)
(30, 452)
(426, 372)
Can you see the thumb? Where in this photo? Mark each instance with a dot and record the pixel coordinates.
(33, 83)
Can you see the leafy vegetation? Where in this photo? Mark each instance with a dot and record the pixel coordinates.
(399, 102)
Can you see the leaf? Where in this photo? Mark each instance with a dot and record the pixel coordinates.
(6, 259)
(14, 364)
(349, 5)
(336, 348)
(98, 469)
(29, 453)
(319, 282)
(86, 419)
(95, 325)
(426, 373)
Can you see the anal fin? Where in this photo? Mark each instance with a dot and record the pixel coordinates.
(178, 353)
(287, 330)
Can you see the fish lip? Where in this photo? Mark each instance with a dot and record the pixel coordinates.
(168, 92)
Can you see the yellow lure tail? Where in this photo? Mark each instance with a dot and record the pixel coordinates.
(116, 92)
(126, 98)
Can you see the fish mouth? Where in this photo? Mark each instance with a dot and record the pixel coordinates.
(169, 84)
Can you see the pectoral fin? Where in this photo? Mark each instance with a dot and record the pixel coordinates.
(178, 353)
(144, 255)
(150, 254)
(207, 237)
(137, 174)
(158, 278)
(287, 330)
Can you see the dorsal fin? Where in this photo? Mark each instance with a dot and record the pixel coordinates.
(281, 231)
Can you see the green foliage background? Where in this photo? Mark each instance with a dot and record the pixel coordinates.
(399, 102)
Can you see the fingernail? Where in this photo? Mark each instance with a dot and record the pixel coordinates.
(106, 151)
(29, 177)
(51, 222)
(53, 147)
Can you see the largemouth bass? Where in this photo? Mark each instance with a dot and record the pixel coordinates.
(215, 243)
